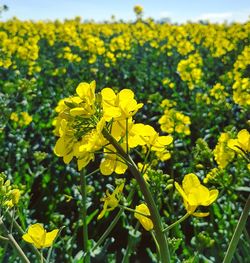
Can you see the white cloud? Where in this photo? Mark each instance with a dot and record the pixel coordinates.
(226, 16)
(164, 14)
(216, 16)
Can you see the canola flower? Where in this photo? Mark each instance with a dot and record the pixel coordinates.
(194, 194)
(22, 118)
(144, 220)
(241, 144)
(174, 121)
(138, 9)
(111, 201)
(83, 117)
(223, 155)
(9, 194)
(39, 237)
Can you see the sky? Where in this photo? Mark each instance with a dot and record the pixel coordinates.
(177, 10)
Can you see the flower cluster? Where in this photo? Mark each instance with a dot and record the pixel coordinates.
(22, 118)
(82, 118)
(9, 195)
(174, 121)
(190, 70)
(241, 145)
(222, 153)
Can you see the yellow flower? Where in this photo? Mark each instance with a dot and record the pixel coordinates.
(112, 162)
(38, 236)
(144, 220)
(138, 9)
(26, 119)
(141, 134)
(111, 201)
(14, 116)
(195, 194)
(223, 154)
(120, 106)
(242, 143)
(15, 196)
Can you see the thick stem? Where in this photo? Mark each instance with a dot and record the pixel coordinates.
(13, 243)
(155, 216)
(84, 215)
(237, 233)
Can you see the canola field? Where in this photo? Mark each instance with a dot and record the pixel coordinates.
(124, 142)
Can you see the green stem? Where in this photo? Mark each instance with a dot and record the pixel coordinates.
(114, 222)
(4, 238)
(13, 243)
(133, 211)
(177, 222)
(131, 244)
(41, 256)
(156, 244)
(108, 230)
(155, 216)
(84, 215)
(237, 233)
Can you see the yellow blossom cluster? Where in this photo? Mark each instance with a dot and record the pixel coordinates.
(228, 146)
(22, 118)
(241, 91)
(190, 70)
(22, 44)
(9, 195)
(222, 154)
(82, 119)
(138, 9)
(174, 121)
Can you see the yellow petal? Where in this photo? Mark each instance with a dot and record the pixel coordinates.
(82, 89)
(26, 237)
(50, 237)
(120, 167)
(180, 190)
(60, 149)
(83, 161)
(145, 221)
(244, 139)
(37, 234)
(77, 111)
(67, 158)
(200, 214)
(165, 140)
(190, 181)
(126, 94)
(213, 196)
(108, 94)
(107, 166)
(198, 196)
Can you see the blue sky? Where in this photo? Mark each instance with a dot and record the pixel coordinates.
(99, 10)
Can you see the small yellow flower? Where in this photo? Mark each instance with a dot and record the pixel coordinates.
(242, 143)
(111, 201)
(14, 117)
(15, 196)
(144, 220)
(138, 9)
(195, 194)
(38, 236)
